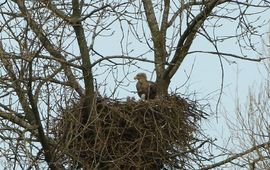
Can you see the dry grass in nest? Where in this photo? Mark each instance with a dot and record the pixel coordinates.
(131, 134)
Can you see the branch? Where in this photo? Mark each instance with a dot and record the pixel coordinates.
(190, 150)
(238, 155)
(49, 46)
(3, 3)
(158, 36)
(94, 11)
(67, 18)
(187, 38)
(56, 11)
(86, 63)
(151, 18)
(164, 24)
(120, 57)
(232, 55)
(12, 117)
(8, 65)
(188, 5)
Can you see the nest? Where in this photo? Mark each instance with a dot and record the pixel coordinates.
(129, 135)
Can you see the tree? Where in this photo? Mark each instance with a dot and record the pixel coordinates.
(38, 69)
(159, 37)
(188, 20)
(250, 129)
(49, 56)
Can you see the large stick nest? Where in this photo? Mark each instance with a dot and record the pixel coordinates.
(131, 134)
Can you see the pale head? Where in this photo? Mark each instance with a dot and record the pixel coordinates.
(141, 77)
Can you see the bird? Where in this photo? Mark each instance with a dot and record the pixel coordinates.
(145, 89)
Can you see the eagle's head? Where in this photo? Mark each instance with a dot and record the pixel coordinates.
(141, 77)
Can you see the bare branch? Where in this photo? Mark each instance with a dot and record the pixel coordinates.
(186, 39)
(86, 63)
(49, 46)
(231, 55)
(236, 156)
(121, 57)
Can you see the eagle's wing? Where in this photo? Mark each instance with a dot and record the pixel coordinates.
(139, 88)
(152, 90)
(147, 90)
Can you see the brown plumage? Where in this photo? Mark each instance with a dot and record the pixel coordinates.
(146, 89)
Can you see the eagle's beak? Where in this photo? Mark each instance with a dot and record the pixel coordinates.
(135, 78)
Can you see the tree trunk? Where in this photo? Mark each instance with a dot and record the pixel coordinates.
(163, 85)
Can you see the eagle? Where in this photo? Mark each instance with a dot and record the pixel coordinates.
(145, 89)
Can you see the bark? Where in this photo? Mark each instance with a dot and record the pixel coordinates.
(159, 42)
(86, 64)
(163, 85)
